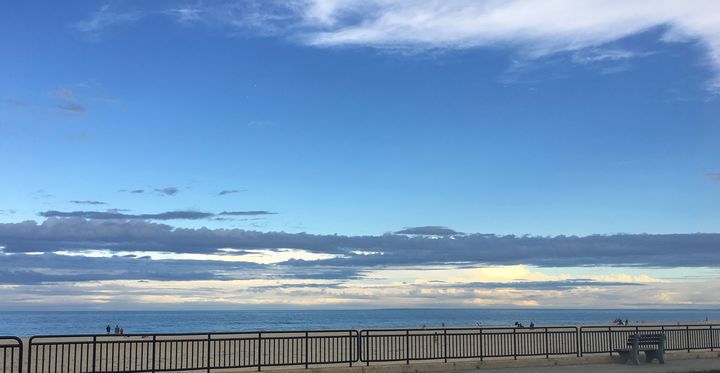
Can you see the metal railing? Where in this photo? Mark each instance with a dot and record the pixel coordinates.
(11, 354)
(181, 352)
(382, 345)
(605, 339)
(140, 353)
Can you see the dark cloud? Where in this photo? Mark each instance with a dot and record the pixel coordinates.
(114, 214)
(658, 250)
(429, 231)
(168, 191)
(229, 191)
(21, 268)
(24, 277)
(246, 213)
(714, 176)
(88, 202)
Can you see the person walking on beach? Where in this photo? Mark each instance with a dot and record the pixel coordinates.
(107, 329)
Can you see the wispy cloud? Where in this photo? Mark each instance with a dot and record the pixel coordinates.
(168, 191)
(63, 93)
(714, 176)
(69, 100)
(429, 231)
(71, 107)
(597, 55)
(247, 213)
(230, 191)
(116, 214)
(87, 202)
(106, 17)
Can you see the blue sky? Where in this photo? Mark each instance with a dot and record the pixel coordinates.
(361, 119)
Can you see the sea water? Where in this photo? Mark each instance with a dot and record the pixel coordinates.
(27, 323)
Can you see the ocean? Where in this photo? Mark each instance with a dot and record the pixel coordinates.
(27, 323)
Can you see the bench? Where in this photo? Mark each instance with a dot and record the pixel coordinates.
(653, 345)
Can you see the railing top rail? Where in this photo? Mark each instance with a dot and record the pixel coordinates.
(536, 327)
(647, 326)
(194, 334)
(11, 337)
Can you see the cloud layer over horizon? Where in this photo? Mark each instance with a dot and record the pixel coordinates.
(71, 260)
(433, 245)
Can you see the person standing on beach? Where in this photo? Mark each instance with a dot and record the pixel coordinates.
(117, 329)
(107, 329)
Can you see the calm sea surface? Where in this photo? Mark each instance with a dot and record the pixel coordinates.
(26, 323)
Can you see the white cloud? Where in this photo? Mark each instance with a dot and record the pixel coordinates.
(538, 28)
(532, 28)
(259, 256)
(105, 17)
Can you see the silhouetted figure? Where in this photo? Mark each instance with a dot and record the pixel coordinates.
(107, 329)
(117, 329)
(532, 325)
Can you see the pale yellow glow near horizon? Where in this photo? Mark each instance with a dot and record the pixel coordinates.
(509, 274)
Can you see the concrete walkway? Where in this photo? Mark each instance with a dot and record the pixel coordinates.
(675, 366)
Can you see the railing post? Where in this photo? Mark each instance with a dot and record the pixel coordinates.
(207, 360)
(687, 337)
(358, 347)
(610, 339)
(350, 347)
(515, 343)
(259, 353)
(482, 351)
(367, 348)
(307, 349)
(407, 347)
(153, 353)
(20, 356)
(445, 352)
(547, 346)
(94, 346)
(29, 355)
(712, 342)
(578, 339)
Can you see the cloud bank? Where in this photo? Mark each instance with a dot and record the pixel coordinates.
(655, 250)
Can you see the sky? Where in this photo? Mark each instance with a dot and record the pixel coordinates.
(359, 154)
